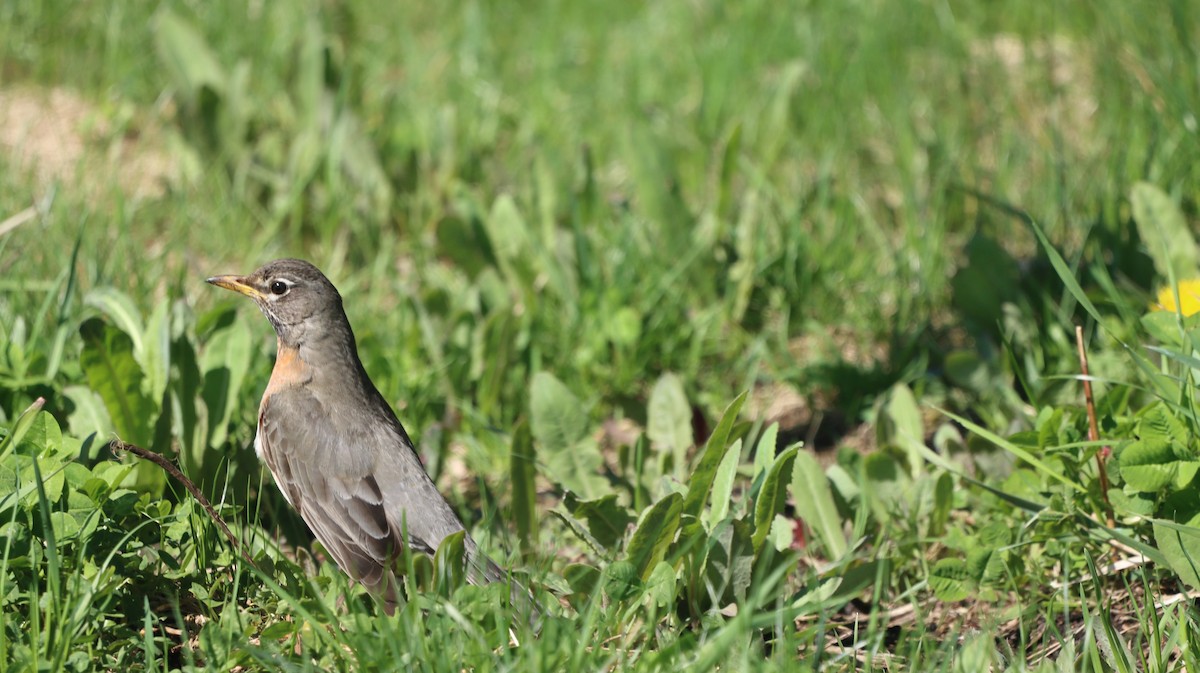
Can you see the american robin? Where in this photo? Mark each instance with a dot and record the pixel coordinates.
(335, 448)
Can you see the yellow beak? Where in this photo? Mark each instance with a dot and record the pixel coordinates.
(237, 284)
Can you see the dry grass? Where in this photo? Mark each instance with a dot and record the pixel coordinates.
(57, 136)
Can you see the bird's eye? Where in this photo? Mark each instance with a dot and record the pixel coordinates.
(279, 287)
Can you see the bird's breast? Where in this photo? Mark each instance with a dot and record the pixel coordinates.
(290, 371)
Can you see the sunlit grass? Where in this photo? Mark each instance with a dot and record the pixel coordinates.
(810, 203)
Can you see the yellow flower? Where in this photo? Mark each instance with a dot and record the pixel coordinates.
(1189, 298)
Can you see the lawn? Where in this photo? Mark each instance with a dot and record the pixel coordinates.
(749, 336)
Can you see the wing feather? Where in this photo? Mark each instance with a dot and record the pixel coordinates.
(362, 493)
(346, 512)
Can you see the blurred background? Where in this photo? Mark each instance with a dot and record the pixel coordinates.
(605, 206)
(781, 199)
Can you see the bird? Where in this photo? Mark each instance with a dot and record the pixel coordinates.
(335, 448)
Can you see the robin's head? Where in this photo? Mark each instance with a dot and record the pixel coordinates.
(293, 294)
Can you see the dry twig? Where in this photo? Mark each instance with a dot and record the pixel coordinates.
(118, 445)
(1093, 427)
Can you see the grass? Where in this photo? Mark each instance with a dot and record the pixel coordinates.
(570, 237)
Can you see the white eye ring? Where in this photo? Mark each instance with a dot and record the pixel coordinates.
(280, 286)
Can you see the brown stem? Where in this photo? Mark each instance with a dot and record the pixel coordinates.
(1093, 427)
(118, 445)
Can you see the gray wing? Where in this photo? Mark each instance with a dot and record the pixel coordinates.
(362, 491)
(358, 489)
(343, 509)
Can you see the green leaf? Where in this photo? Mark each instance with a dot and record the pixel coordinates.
(622, 581)
(354, 152)
(815, 506)
(624, 329)
(1164, 230)
(1177, 534)
(186, 57)
(1047, 431)
(1019, 452)
(112, 371)
(65, 526)
(42, 437)
(764, 451)
(449, 561)
(606, 519)
(155, 355)
(1163, 327)
(190, 411)
(706, 469)
(576, 526)
(900, 425)
(646, 474)
(1162, 456)
(1158, 423)
(985, 561)
(984, 564)
(38, 465)
(112, 473)
(989, 278)
(783, 532)
(858, 575)
(224, 364)
(889, 488)
(581, 578)
(943, 503)
(308, 74)
(660, 585)
(576, 468)
(462, 240)
(1148, 465)
(729, 562)
(1132, 502)
(77, 476)
(818, 599)
(511, 241)
(558, 417)
(10, 480)
(21, 427)
(278, 631)
(772, 496)
(669, 421)
(509, 233)
(722, 491)
(654, 534)
(967, 369)
(731, 155)
(523, 472)
(848, 488)
(995, 534)
(123, 313)
(15, 539)
(949, 580)
(1061, 268)
(89, 415)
